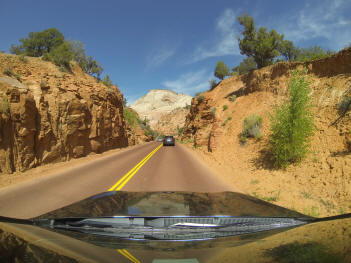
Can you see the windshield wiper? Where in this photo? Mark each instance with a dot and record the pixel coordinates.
(171, 228)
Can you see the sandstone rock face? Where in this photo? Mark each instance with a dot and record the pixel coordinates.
(47, 115)
(157, 103)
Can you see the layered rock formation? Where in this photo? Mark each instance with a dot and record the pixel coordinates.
(47, 115)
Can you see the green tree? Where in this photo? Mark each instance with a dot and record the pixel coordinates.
(259, 44)
(39, 43)
(221, 70)
(93, 68)
(248, 64)
(78, 52)
(288, 50)
(292, 124)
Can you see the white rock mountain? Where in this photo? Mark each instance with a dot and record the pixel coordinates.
(157, 103)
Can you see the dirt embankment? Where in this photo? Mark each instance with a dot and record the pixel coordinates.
(321, 184)
(47, 115)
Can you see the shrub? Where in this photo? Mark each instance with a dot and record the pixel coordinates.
(200, 98)
(213, 111)
(292, 124)
(107, 81)
(225, 107)
(8, 71)
(23, 58)
(130, 116)
(232, 98)
(180, 131)
(252, 126)
(213, 84)
(187, 106)
(344, 105)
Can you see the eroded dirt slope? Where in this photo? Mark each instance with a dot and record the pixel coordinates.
(321, 184)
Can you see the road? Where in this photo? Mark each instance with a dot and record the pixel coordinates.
(147, 167)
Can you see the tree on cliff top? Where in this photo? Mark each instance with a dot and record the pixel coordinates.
(38, 43)
(259, 44)
(221, 70)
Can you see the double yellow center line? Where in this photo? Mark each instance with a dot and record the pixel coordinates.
(128, 255)
(118, 186)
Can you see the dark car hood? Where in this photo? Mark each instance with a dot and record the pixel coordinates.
(170, 204)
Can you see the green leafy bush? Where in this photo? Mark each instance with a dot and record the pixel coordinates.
(225, 107)
(292, 124)
(252, 126)
(131, 117)
(180, 131)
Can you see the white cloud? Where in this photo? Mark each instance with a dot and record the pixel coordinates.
(159, 56)
(225, 42)
(320, 19)
(190, 82)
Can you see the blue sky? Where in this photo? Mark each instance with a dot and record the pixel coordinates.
(164, 44)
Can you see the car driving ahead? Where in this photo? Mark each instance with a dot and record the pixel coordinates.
(168, 141)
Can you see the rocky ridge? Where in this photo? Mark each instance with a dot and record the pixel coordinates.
(47, 115)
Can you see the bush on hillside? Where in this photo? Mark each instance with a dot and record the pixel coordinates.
(292, 124)
(107, 81)
(252, 126)
(200, 98)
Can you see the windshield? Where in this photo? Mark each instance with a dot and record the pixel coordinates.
(228, 119)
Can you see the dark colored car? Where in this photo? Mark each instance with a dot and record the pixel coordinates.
(168, 141)
(175, 227)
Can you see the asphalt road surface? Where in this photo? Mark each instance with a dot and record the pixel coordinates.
(147, 167)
